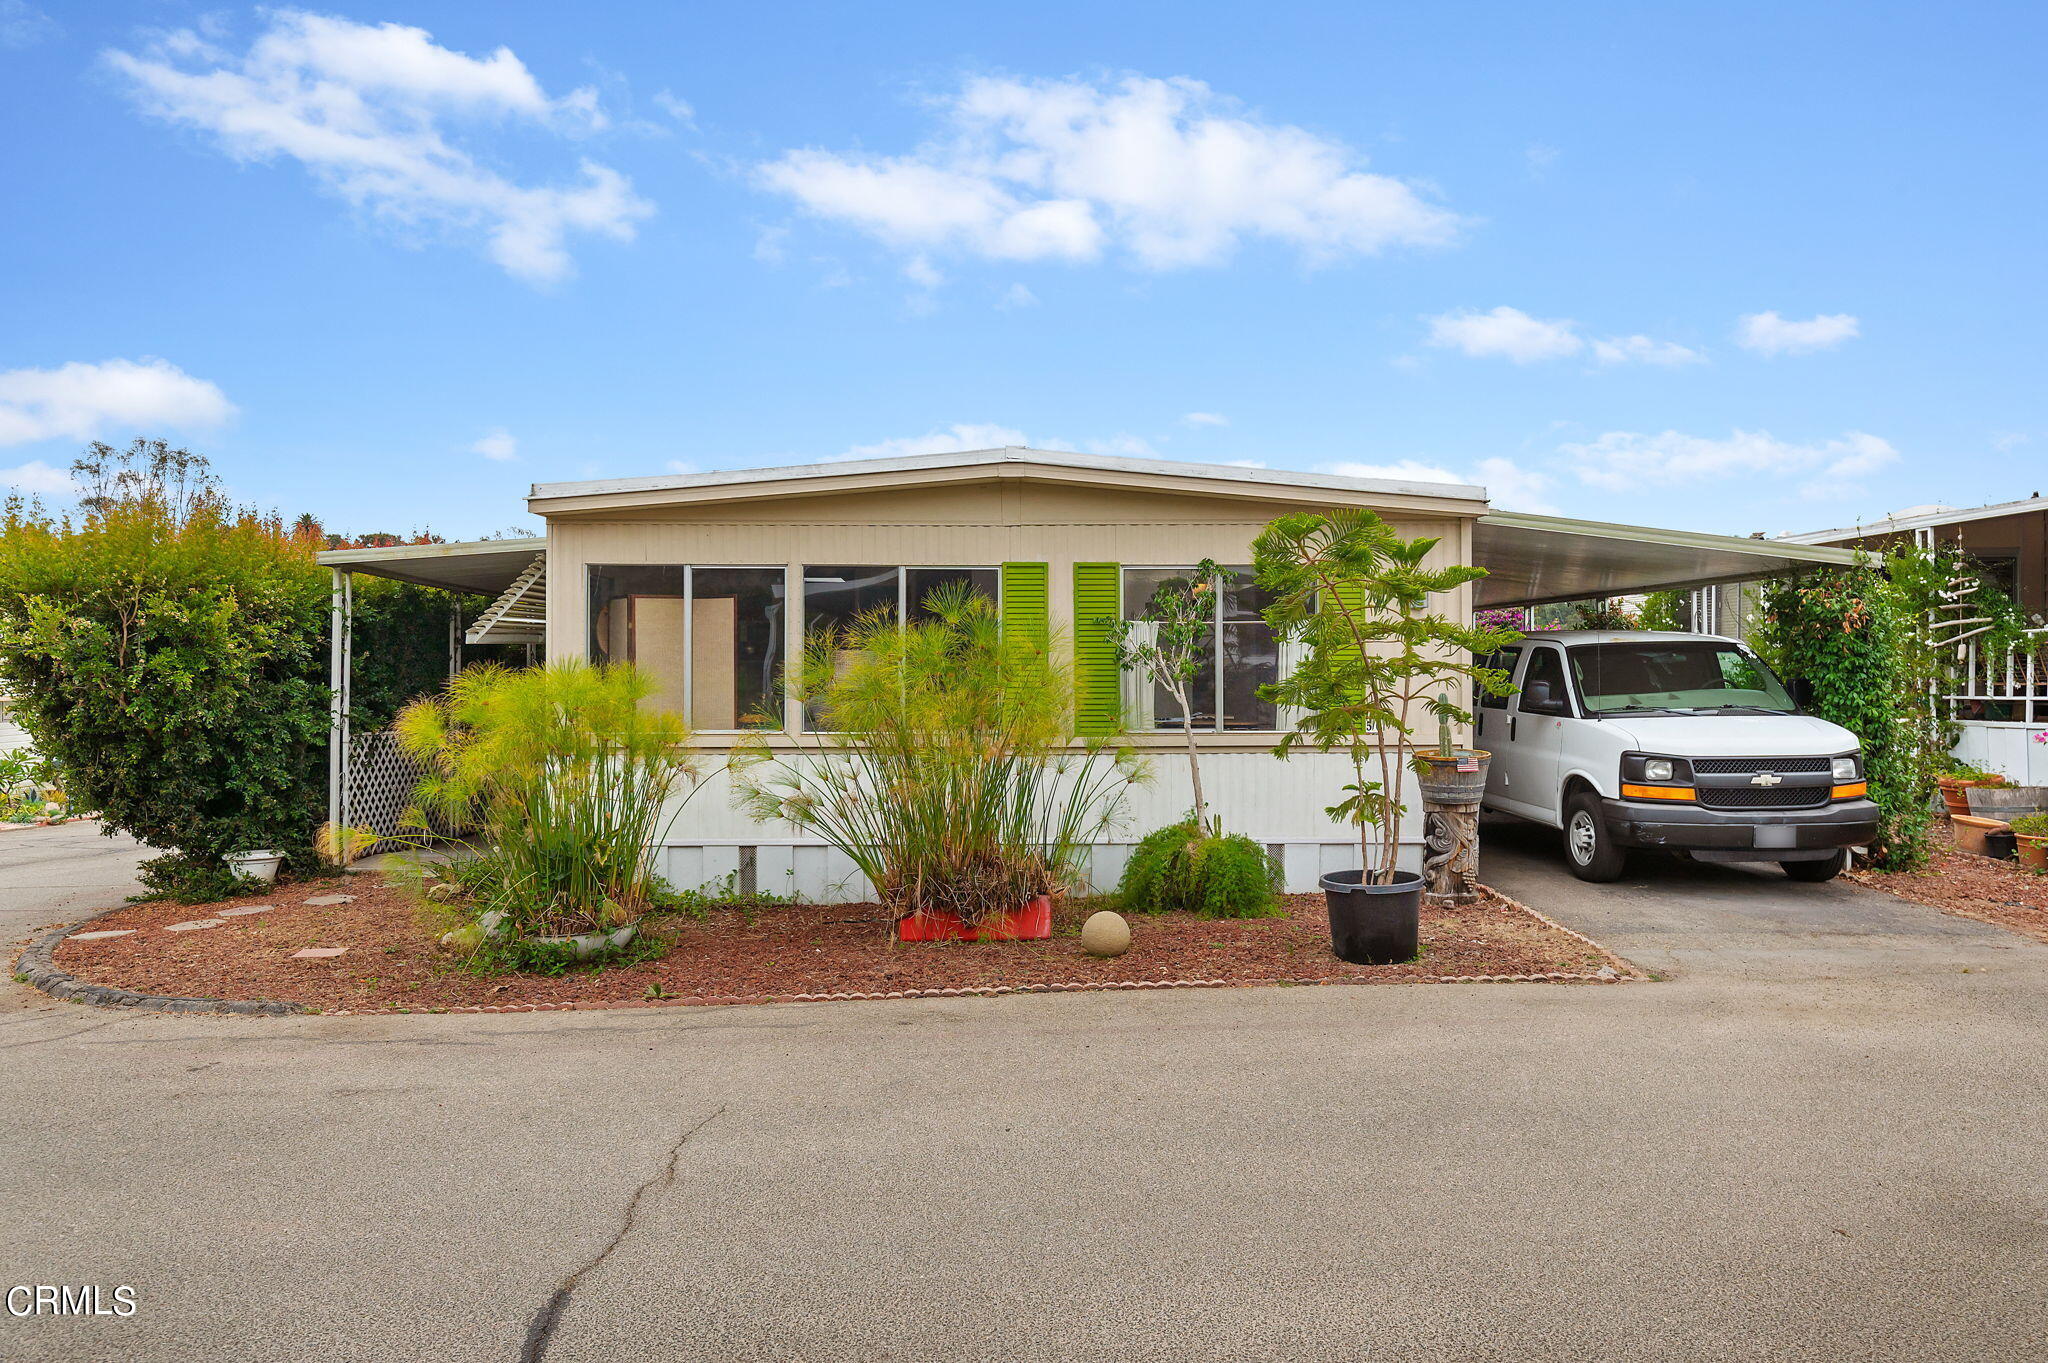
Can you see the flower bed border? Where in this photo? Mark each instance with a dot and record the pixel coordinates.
(37, 967)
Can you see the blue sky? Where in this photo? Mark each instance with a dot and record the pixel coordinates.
(1727, 267)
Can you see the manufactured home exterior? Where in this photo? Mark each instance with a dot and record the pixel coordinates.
(709, 583)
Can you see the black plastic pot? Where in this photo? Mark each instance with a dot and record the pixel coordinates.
(1374, 924)
(2003, 845)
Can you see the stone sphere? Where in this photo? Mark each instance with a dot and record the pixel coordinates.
(1105, 934)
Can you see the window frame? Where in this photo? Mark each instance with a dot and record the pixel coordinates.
(690, 631)
(796, 721)
(1216, 624)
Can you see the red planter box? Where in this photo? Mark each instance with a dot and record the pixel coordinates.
(1032, 921)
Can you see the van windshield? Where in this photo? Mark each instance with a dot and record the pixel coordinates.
(1687, 678)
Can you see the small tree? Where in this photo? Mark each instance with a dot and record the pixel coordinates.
(1182, 614)
(1356, 595)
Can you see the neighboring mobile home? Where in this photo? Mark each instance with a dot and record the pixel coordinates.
(708, 582)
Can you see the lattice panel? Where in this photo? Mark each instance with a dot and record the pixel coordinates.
(381, 779)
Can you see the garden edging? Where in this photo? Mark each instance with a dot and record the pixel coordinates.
(37, 967)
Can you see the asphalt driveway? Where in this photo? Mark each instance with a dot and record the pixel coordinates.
(1814, 1141)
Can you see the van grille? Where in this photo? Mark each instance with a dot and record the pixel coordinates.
(1763, 797)
(1742, 766)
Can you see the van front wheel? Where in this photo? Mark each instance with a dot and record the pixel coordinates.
(1814, 872)
(1588, 847)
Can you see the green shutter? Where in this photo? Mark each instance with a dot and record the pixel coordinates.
(1025, 599)
(1098, 686)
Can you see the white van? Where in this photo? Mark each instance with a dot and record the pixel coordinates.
(1675, 742)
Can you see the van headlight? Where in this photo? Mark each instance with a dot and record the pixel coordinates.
(1845, 769)
(1663, 769)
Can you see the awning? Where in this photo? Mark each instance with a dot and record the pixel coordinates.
(1534, 559)
(482, 567)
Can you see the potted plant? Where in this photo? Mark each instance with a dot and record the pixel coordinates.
(1354, 597)
(943, 770)
(2030, 832)
(1955, 784)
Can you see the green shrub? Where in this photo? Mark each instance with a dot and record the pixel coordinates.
(2033, 825)
(1183, 869)
(945, 773)
(167, 652)
(568, 779)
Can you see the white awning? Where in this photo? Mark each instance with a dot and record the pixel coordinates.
(482, 567)
(1534, 559)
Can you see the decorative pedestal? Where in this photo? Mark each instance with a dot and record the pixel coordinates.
(1450, 854)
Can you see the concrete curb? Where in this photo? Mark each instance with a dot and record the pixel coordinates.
(38, 968)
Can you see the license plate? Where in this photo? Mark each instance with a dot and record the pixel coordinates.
(1777, 835)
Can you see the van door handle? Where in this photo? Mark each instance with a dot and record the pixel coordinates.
(1511, 728)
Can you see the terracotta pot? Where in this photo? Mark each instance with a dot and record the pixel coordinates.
(1971, 833)
(1030, 923)
(2033, 850)
(1955, 794)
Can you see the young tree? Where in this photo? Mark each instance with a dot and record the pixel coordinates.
(1356, 595)
(1173, 651)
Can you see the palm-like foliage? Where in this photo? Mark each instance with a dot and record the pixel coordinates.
(567, 776)
(947, 773)
(1356, 594)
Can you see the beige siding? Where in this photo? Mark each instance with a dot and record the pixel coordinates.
(982, 524)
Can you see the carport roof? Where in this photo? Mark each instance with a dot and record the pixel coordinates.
(485, 567)
(1534, 559)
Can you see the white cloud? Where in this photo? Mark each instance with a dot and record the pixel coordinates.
(1626, 461)
(1508, 486)
(1769, 334)
(1205, 419)
(919, 271)
(37, 476)
(965, 436)
(1245, 463)
(1644, 350)
(680, 466)
(23, 25)
(1164, 172)
(1511, 334)
(369, 110)
(77, 400)
(1017, 296)
(678, 109)
(1540, 158)
(1506, 332)
(497, 444)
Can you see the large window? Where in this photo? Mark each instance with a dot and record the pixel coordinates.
(837, 595)
(710, 638)
(1237, 658)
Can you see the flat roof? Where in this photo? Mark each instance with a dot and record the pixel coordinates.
(1531, 560)
(1017, 456)
(1892, 525)
(485, 567)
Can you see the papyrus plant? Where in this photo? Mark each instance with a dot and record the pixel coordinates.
(1375, 659)
(566, 776)
(946, 769)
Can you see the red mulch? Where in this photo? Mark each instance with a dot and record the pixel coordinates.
(395, 961)
(1969, 886)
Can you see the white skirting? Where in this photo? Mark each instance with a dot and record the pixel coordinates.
(711, 845)
(2011, 750)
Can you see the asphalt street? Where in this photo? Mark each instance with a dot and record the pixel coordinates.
(1815, 1138)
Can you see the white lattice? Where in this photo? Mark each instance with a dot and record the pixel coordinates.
(381, 779)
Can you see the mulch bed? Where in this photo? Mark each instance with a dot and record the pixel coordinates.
(1969, 886)
(769, 953)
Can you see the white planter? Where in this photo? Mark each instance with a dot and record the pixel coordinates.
(255, 865)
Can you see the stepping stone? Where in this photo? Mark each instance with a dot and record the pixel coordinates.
(317, 953)
(100, 936)
(194, 925)
(320, 901)
(253, 908)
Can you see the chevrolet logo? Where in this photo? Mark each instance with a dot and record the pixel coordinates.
(1766, 778)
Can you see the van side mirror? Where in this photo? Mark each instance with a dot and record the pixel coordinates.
(1536, 696)
(1802, 693)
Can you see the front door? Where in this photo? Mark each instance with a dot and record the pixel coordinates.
(1527, 739)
